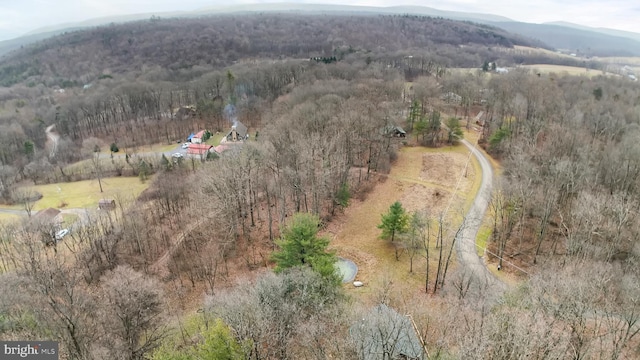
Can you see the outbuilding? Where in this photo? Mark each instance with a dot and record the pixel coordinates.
(106, 204)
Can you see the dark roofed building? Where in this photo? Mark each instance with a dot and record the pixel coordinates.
(238, 132)
(394, 131)
(106, 204)
(385, 334)
(49, 215)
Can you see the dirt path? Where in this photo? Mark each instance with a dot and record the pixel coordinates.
(466, 241)
(161, 266)
(53, 137)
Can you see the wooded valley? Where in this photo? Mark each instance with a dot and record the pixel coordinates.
(230, 255)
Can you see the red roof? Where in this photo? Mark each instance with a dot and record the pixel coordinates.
(198, 149)
(199, 134)
(220, 148)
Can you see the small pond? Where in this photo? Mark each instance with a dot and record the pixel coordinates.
(347, 269)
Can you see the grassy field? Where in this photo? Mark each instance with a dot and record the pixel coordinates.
(85, 194)
(559, 69)
(8, 218)
(106, 164)
(214, 140)
(421, 179)
(632, 61)
(156, 148)
(462, 71)
(69, 219)
(530, 50)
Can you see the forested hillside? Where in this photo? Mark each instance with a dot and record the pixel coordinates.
(82, 56)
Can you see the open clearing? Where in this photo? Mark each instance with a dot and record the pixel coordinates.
(214, 140)
(571, 70)
(421, 179)
(154, 148)
(632, 61)
(86, 194)
(8, 218)
(530, 50)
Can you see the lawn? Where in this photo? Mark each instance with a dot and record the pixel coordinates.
(8, 218)
(85, 194)
(69, 219)
(153, 148)
(214, 140)
(106, 164)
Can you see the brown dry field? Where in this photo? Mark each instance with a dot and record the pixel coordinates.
(421, 179)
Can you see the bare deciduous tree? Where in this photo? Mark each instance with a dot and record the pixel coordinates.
(132, 313)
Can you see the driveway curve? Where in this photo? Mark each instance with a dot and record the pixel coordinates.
(466, 242)
(53, 137)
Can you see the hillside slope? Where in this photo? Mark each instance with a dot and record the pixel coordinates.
(221, 40)
(590, 43)
(284, 8)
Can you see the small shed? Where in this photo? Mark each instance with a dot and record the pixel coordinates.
(394, 131)
(106, 204)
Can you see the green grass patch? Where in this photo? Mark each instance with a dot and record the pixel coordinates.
(153, 148)
(69, 219)
(86, 194)
(482, 240)
(214, 140)
(8, 218)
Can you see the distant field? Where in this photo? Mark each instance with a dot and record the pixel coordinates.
(466, 70)
(620, 60)
(571, 70)
(85, 194)
(530, 50)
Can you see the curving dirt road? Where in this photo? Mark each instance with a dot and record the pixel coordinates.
(53, 136)
(466, 241)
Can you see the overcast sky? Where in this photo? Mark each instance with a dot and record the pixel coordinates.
(18, 17)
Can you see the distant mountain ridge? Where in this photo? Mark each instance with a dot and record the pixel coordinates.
(562, 35)
(577, 39)
(612, 32)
